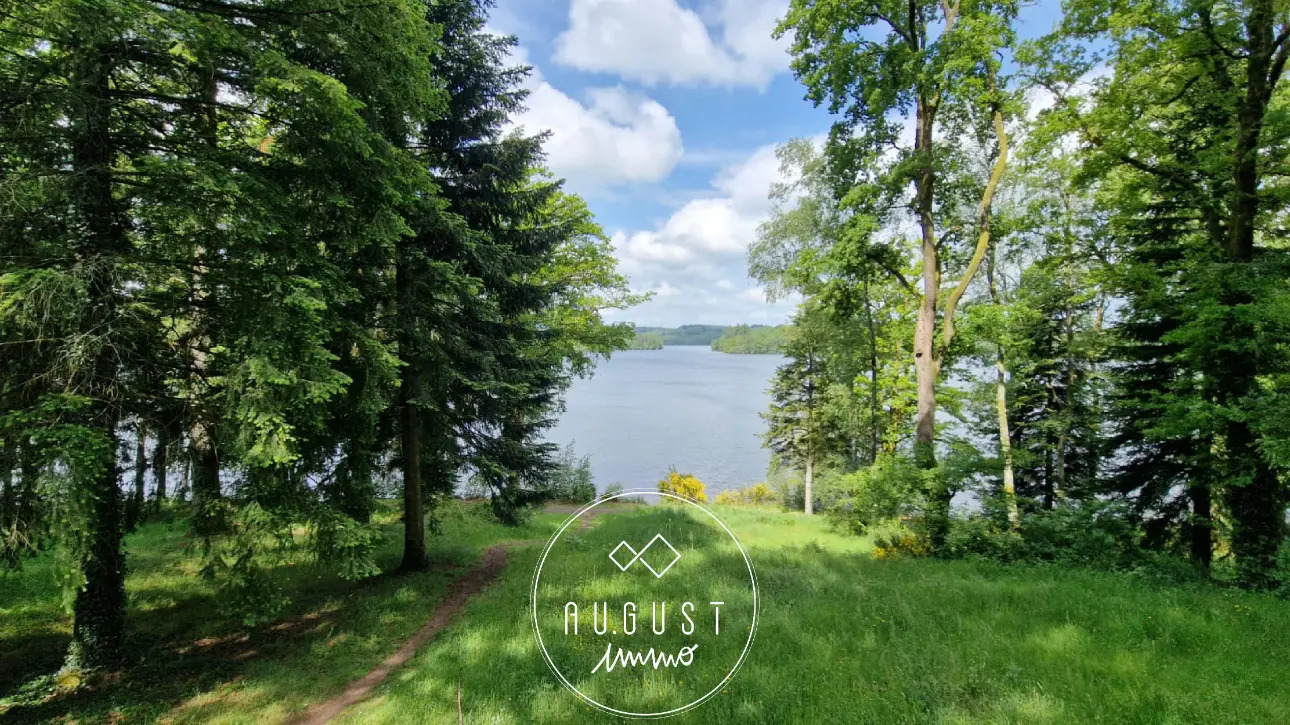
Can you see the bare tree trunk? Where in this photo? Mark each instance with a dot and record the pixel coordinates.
(1001, 409)
(810, 486)
(925, 362)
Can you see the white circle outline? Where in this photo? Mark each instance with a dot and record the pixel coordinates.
(537, 574)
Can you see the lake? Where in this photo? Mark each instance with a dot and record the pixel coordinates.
(684, 406)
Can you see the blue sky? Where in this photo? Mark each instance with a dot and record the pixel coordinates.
(664, 115)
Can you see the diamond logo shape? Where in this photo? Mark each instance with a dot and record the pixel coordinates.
(624, 551)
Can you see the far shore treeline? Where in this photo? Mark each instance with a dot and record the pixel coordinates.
(742, 339)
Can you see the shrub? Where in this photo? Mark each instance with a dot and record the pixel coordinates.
(1098, 534)
(1283, 569)
(683, 484)
(887, 490)
(758, 494)
(895, 539)
(571, 479)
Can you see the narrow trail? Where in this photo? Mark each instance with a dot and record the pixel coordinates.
(459, 593)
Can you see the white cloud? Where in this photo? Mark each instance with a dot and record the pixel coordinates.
(658, 41)
(690, 259)
(618, 137)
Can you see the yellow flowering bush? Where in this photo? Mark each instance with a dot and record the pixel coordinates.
(758, 494)
(683, 484)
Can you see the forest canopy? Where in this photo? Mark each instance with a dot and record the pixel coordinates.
(282, 250)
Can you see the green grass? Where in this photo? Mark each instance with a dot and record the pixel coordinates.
(842, 638)
(191, 662)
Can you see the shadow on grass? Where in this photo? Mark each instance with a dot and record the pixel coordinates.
(847, 639)
(184, 652)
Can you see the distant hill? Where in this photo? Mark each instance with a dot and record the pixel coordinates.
(686, 334)
(753, 339)
(747, 339)
(646, 341)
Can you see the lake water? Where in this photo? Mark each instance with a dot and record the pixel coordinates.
(689, 407)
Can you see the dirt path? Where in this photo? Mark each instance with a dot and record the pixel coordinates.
(460, 592)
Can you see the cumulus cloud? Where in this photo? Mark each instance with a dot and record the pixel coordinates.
(695, 260)
(616, 137)
(728, 44)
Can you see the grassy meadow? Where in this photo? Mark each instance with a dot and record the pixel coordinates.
(842, 638)
(191, 662)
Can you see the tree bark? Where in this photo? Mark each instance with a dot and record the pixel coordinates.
(873, 372)
(28, 473)
(1254, 493)
(1201, 538)
(1050, 480)
(203, 461)
(925, 454)
(8, 491)
(134, 510)
(98, 625)
(809, 492)
(204, 456)
(924, 332)
(161, 464)
(1001, 410)
(411, 425)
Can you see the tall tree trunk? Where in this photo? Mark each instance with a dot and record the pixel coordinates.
(134, 509)
(942, 495)
(1001, 410)
(1201, 533)
(809, 492)
(204, 456)
(161, 464)
(925, 362)
(1254, 492)
(98, 628)
(1050, 487)
(28, 476)
(411, 425)
(98, 625)
(8, 491)
(204, 483)
(185, 480)
(873, 372)
(1005, 442)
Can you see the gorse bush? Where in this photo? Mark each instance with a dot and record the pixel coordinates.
(894, 539)
(683, 484)
(758, 494)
